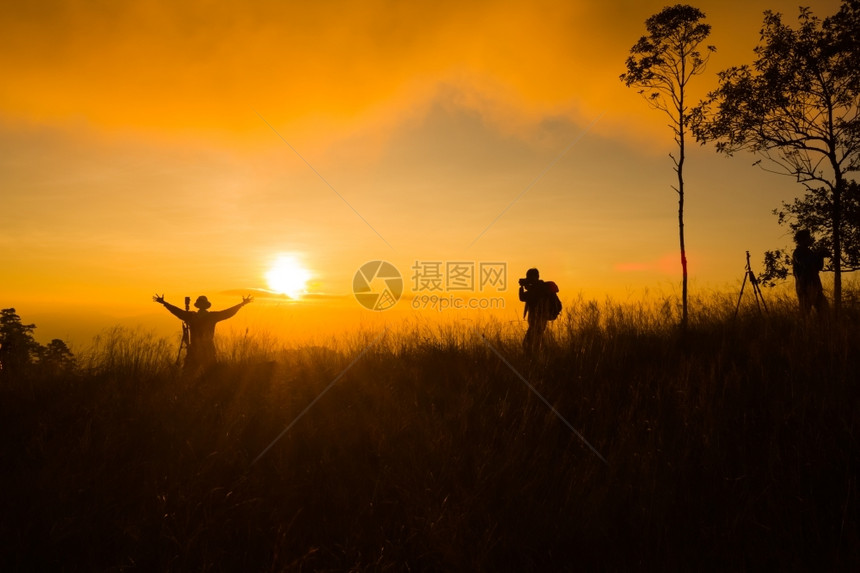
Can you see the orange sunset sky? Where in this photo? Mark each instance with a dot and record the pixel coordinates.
(181, 147)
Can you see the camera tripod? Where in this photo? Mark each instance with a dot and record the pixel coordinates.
(186, 334)
(759, 298)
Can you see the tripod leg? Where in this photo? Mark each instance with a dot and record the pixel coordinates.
(740, 296)
(758, 294)
(183, 343)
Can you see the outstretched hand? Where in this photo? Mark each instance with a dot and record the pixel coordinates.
(159, 298)
(247, 299)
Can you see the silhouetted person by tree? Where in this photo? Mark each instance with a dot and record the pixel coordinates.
(796, 107)
(201, 325)
(806, 263)
(541, 306)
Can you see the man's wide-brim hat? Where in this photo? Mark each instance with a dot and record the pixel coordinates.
(202, 303)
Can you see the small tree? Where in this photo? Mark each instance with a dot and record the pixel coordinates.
(661, 64)
(19, 351)
(18, 348)
(797, 107)
(56, 358)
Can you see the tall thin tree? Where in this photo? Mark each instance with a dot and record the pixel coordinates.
(661, 65)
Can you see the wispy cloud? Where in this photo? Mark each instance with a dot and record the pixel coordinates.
(668, 263)
(324, 180)
(536, 179)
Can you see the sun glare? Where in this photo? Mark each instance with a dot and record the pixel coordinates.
(287, 276)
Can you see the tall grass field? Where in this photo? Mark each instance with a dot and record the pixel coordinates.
(626, 444)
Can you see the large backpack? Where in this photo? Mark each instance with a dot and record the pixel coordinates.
(553, 303)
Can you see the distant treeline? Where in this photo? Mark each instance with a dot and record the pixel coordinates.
(20, 354)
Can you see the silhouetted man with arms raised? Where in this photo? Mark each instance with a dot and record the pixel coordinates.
(201, 325)
(805, 265)
(540, 300)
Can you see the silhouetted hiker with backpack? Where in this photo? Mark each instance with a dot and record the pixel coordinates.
(200, 351)
(542, 305)
(805, 265)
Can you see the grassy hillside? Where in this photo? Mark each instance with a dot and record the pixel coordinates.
(733, 446)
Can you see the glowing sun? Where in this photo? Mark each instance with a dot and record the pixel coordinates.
(287, 276)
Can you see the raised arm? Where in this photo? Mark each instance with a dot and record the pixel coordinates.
(174, 310)
(230, 312)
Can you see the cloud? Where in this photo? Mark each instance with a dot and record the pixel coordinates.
(669, 263)
(325, 70)
(268, 295)
(202, 66)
